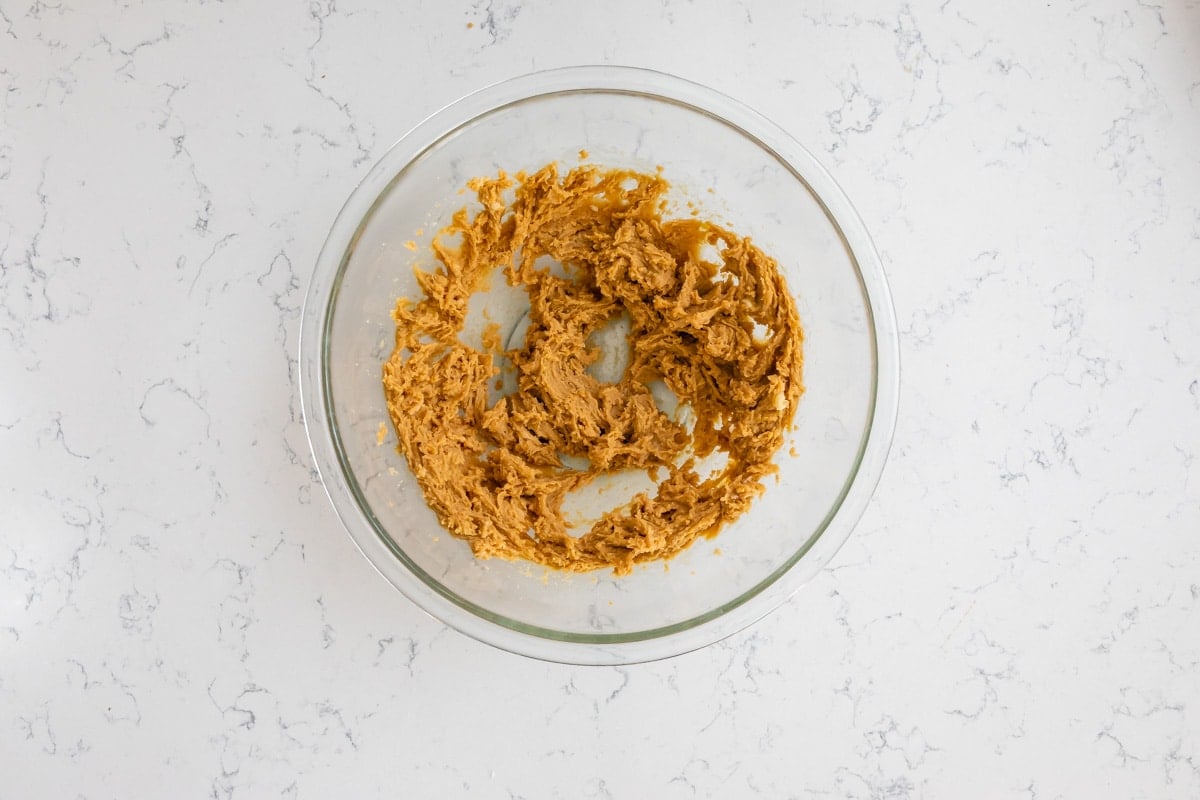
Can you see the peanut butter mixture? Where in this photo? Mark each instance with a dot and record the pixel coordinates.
(724, 337)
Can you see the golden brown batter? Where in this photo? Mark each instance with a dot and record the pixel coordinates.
(725, 338)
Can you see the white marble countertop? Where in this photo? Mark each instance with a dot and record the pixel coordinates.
(1018, 614)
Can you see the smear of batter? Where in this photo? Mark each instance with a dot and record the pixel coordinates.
(721, 331)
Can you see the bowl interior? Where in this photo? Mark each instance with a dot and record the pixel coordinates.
(726, 176)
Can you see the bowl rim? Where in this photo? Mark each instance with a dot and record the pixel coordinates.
(512, 635)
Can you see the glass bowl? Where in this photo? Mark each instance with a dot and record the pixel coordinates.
(733, 166)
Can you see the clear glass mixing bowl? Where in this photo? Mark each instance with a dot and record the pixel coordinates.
(763, 184)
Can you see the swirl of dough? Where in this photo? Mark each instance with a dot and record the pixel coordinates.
(724, 337)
